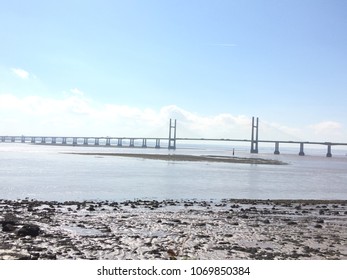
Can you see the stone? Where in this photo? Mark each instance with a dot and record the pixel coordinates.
(10, 219)
(29, 230)
(8, 227)
(91, 208)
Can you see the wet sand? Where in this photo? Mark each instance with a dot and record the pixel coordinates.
(176, 157)
(170, 229)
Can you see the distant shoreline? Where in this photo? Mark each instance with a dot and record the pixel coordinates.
(174, 157)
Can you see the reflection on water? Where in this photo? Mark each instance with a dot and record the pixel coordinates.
(45, 173)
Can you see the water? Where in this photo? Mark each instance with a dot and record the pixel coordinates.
(46, 173)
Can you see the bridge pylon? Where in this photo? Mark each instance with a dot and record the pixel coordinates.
(172, 135)
(254, 139)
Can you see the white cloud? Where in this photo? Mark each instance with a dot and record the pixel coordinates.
(20, 73)
(76, 91)
(276, 131)
(77, 115)
(327, 129)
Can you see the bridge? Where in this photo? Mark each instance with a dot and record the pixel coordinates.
(143, 142)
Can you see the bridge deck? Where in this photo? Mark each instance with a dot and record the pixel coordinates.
(8, 137)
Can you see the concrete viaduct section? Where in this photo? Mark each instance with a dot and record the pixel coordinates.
(135, 142)
(302, 145)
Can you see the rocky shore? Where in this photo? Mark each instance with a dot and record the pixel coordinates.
(170, 229)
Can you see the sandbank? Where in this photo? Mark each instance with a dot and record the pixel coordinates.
(181, 157)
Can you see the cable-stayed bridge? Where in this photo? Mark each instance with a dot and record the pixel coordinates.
(158, 142)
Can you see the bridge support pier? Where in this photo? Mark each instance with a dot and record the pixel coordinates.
(172, 135)
(13, 139)
(74, 141)
(120, 144)
(277, 148)
(157, 143)
(43, 140)
(54, 140)
(132, 143)
(64, 141)
(329, 154)
(96, 143)
(23, 139)
(108, 142)
(301, 153)
(254, 140)
(85, 141)
(144, 143)
(32, 140)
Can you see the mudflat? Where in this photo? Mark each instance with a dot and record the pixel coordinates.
(172, 229)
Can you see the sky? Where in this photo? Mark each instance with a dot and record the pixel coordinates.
(124, 68)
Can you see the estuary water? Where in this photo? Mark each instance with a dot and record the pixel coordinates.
(46, 172)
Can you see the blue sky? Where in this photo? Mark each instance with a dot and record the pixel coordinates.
(125, 67)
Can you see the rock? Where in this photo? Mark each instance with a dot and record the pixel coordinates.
(251, 250)
(10, 218)
(34, 256)
(48, 256)
(172, 253)
(11, 255)
(30, 230)
(91, 208)
(8, 228)
(155, 252)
